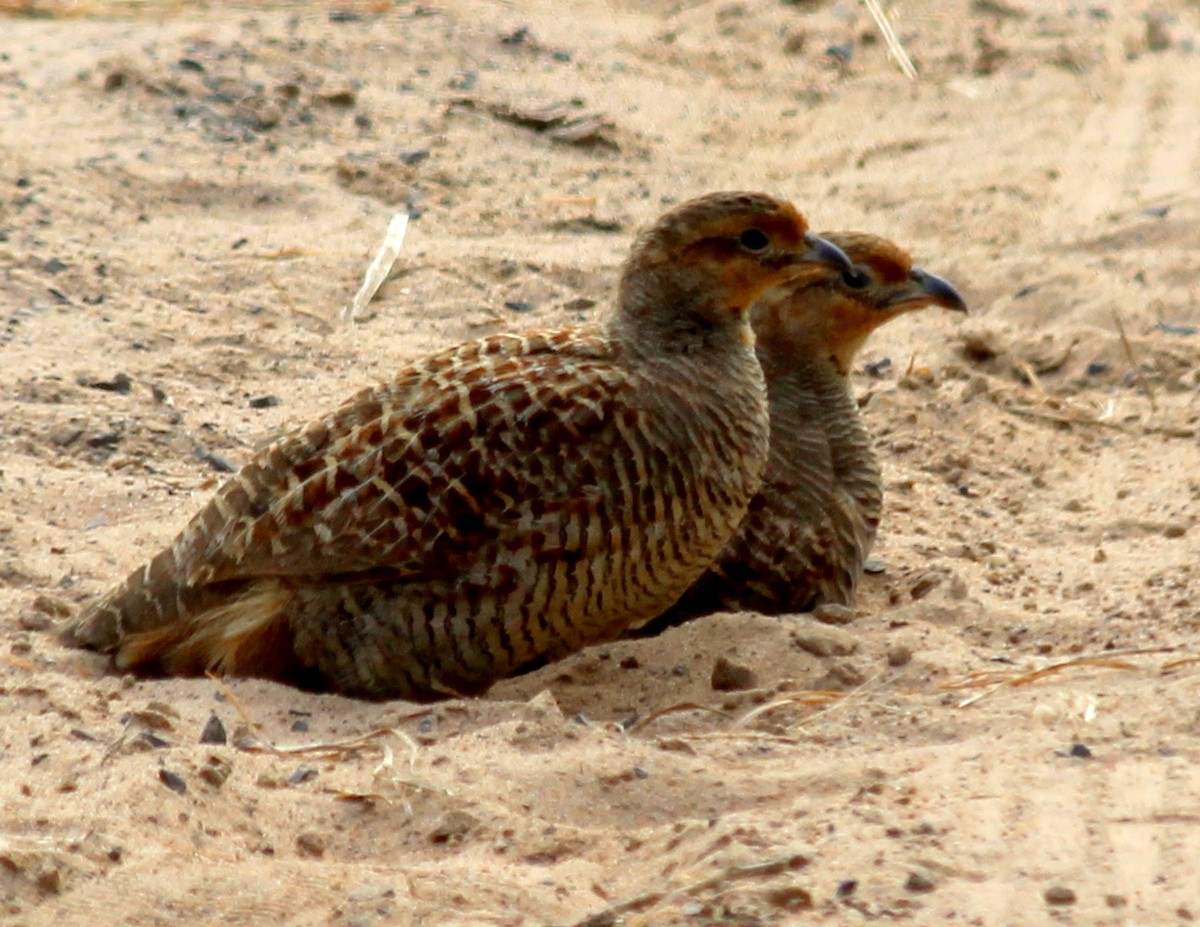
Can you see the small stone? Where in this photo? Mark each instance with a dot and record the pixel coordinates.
(1174, 530)
(832, 613)
(919, 882)
(847, 887)
(342, 96)
(121, 383)
(453, 827)
(629, 663)
(263, 402)
(790, 898)
(414, 156)
(1158, 33)
(301, 775)
(172, 781)
(874, 567)
(823, 640)
(728, 676)
(34, 621)
(1082, 751)
(1116, 901)
(216, 771)
(214, 731)
(49, 881)
(51, 605)
(1059, 894)
(66, 434)
(899, 655)
(925, 584)
(153, 717)
(311, 844)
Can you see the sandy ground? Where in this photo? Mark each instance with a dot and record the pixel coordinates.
(188, 197)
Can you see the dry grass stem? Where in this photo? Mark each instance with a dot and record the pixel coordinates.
(1132, 361)
(995, 680)
(899, 55)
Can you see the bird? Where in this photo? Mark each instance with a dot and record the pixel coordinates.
(811, 526)
(503, 501)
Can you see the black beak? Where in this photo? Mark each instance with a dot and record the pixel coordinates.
(820, 251)
(932, 290)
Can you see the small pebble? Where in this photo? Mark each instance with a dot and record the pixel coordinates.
(310, 844)
(925, 584)
(919, 882)
(264, 402)
(899, 655)
(823, 640)
(874, 566)
(121, 383)
(453, 827)
(847, 887)
(301, 775)
(414, 156)
(34, 621)
(832, 613)
(172, 781)
(52, 606)
(790, 898)
(216, 771)
(214, 731)
(1059, 894)
(728, 676)
(1080, 750)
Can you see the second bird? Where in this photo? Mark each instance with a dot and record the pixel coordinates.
(809, 530)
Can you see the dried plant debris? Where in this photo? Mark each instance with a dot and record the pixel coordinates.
(563, 122)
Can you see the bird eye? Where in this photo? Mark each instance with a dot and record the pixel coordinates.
(855, 279)
(754, 240)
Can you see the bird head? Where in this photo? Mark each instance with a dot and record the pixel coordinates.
(835, 316)
(702, 264)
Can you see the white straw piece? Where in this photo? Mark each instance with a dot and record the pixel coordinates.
(380, 267)
(889, 36)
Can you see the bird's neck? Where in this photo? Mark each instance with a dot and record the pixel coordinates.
(666, 311)
(814, 416)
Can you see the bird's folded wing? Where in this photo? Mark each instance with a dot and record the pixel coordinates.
(471, 453)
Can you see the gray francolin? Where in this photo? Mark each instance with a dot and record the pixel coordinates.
(812, 524)
(501, 502)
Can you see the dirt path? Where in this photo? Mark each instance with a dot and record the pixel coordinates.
(188, 196)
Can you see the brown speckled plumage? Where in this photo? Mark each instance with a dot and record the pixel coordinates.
(812, 524)
(500, 502)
